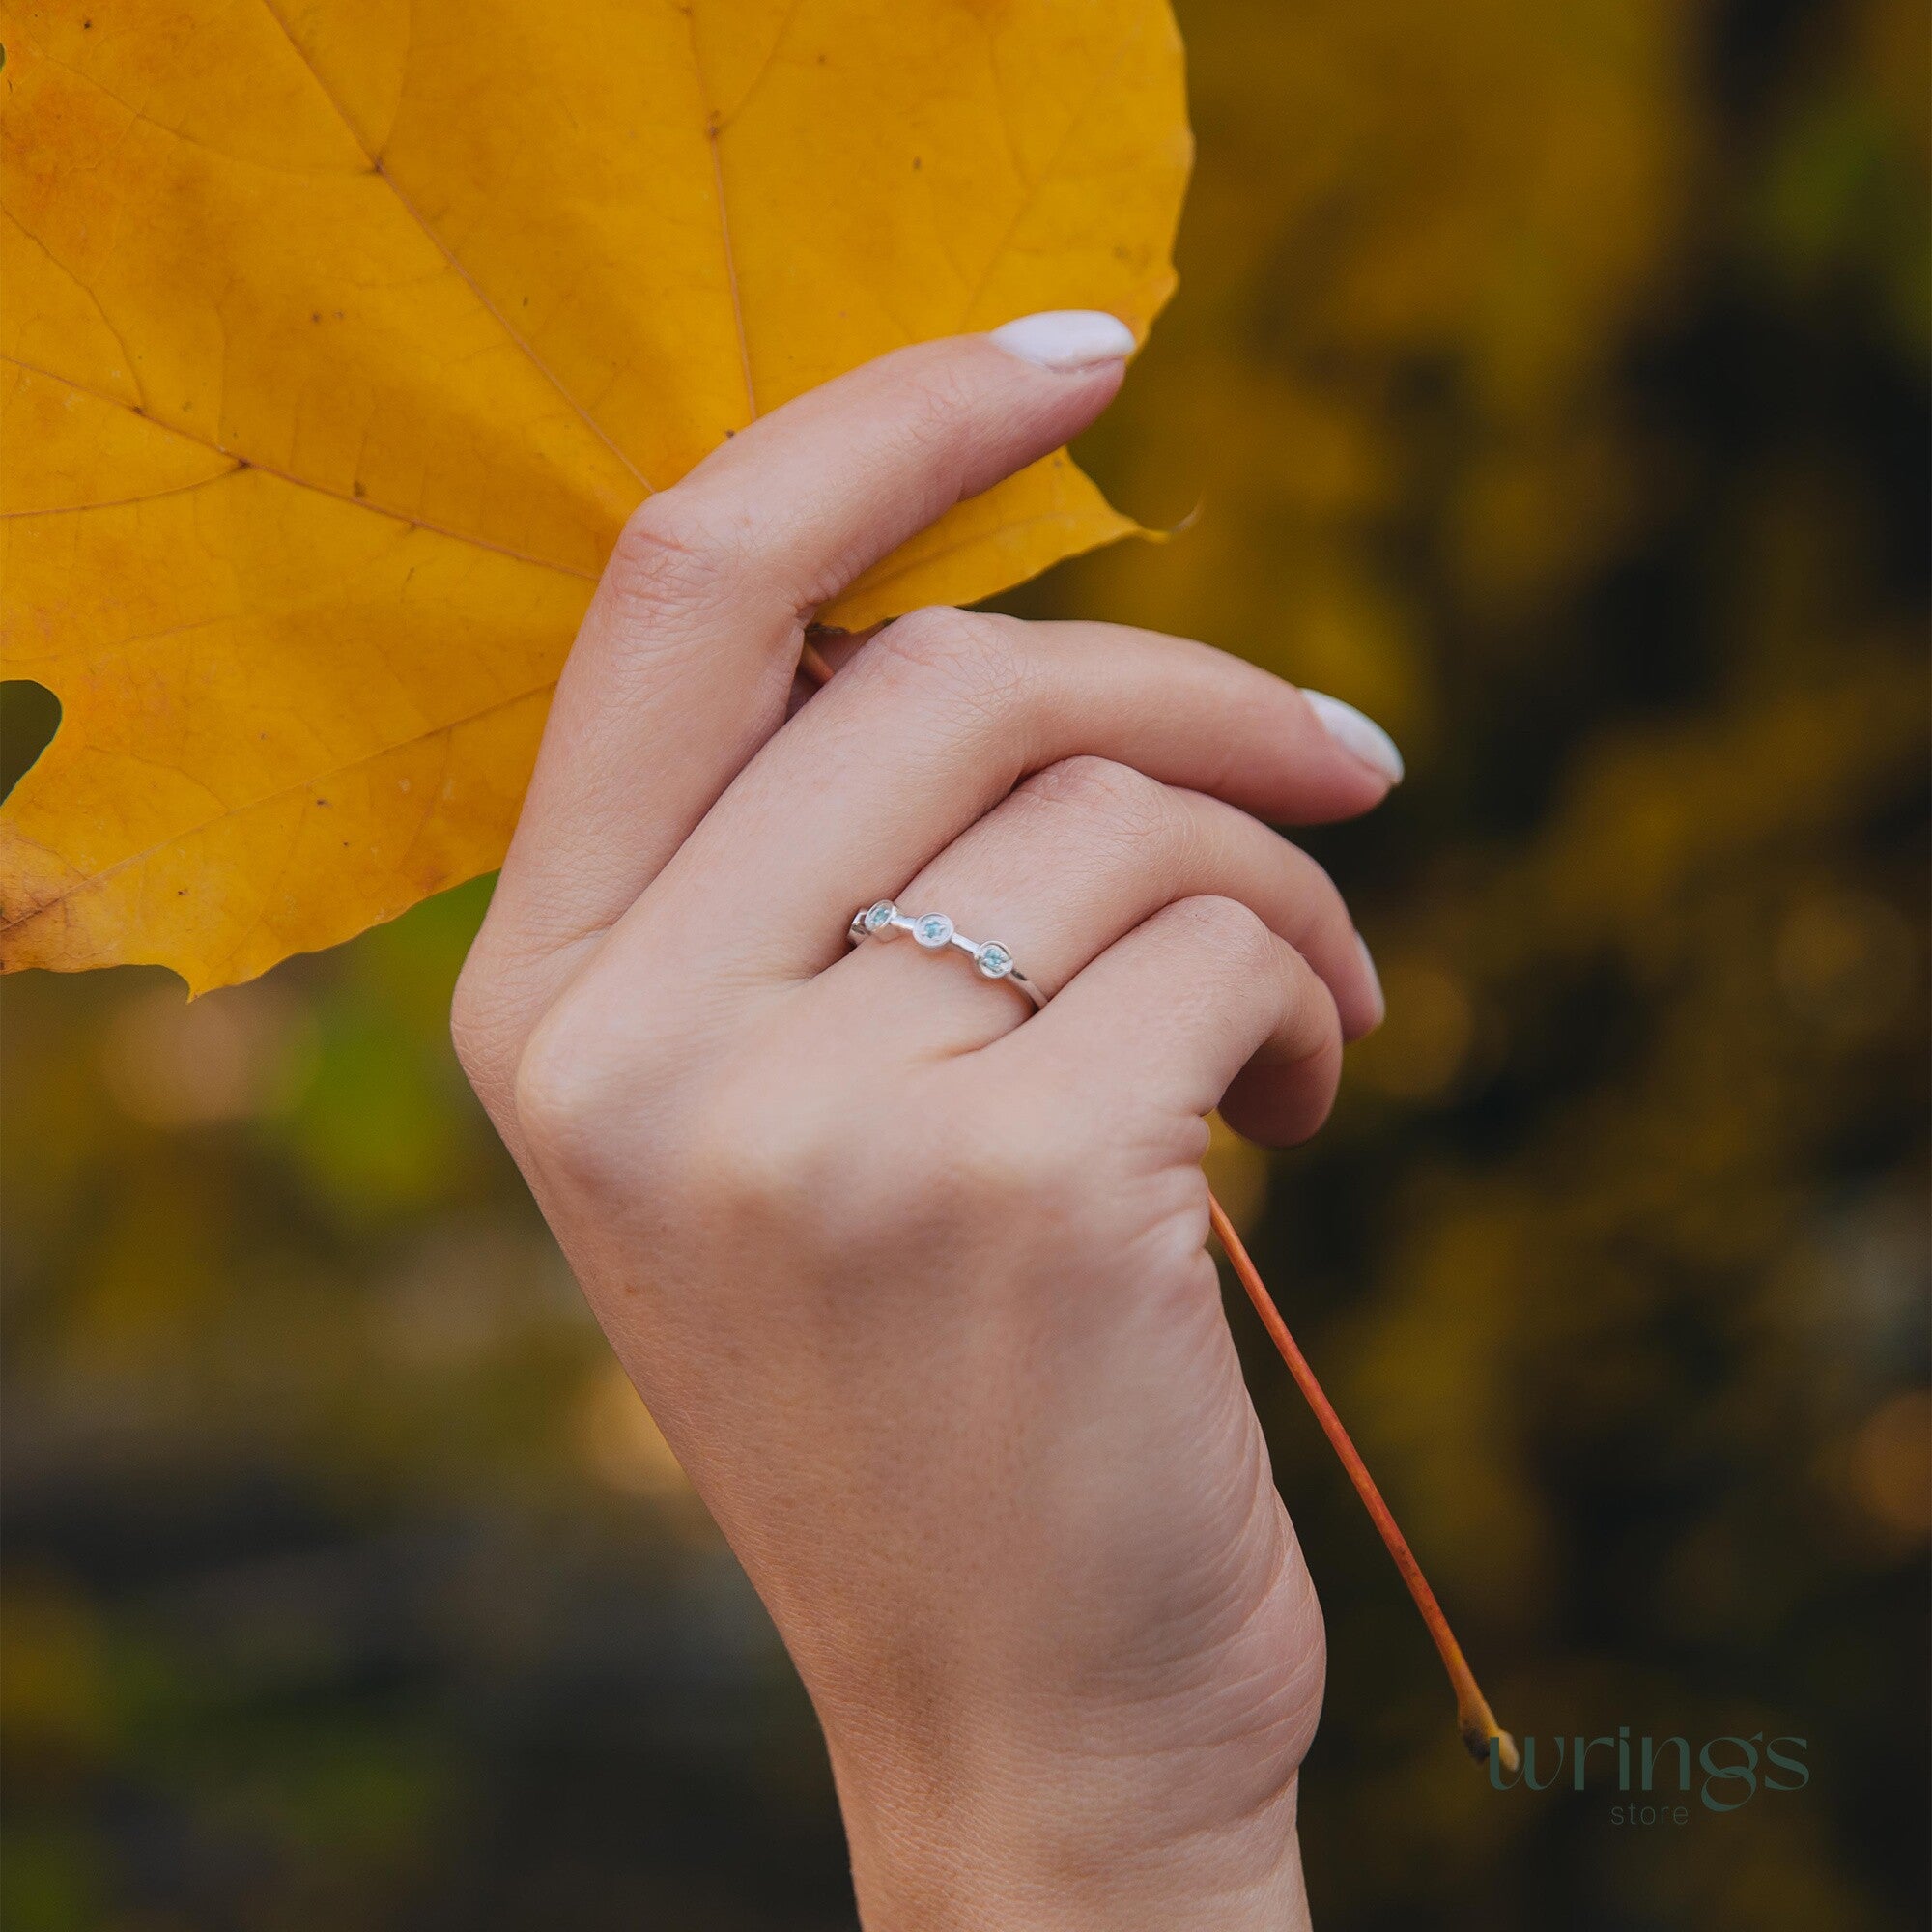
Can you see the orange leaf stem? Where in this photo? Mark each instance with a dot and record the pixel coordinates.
(1473, 1715)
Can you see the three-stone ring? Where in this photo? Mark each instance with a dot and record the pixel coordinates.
(935, 933)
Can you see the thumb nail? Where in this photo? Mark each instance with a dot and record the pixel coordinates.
(1066, 339)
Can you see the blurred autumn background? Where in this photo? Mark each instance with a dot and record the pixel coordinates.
(1550, 379)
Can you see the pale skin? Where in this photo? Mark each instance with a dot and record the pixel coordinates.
(915, 1280)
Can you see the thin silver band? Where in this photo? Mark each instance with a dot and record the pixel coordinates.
(934, 932)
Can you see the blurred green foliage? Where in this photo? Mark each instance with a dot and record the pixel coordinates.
(1549, 380)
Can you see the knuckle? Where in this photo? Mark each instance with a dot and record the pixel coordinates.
(469, 1027)
(711, 1141)
(490, 1011)
(969, 659)
(1233, 932)
(1109, 796)
(475, 1028)
(550, 1092)
(674, 550)
(562, 1094)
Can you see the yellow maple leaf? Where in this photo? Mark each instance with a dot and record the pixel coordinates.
(339, 337)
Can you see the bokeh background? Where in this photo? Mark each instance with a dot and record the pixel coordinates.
(1548, 377)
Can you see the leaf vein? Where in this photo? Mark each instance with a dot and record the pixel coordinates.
(298, 482)
(1099, 82)
(449, 255)
(265, 802)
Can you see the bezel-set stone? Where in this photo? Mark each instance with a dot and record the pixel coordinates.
(932, 932)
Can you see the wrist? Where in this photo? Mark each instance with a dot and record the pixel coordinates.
(1063, 1841)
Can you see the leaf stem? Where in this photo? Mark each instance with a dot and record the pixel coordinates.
(1473, 1715)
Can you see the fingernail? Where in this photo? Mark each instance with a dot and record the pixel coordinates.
(1375, 979)
(1064, 339)
(1357, 733)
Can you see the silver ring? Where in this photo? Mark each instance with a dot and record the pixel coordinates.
(935, 933)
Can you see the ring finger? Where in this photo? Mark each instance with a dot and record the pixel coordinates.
(1077, 856)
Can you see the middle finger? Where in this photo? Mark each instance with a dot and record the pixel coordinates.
(930, 726)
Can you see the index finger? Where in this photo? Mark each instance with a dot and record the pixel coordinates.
(683, 662)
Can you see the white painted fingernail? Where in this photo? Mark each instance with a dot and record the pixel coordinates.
(1358, 733)
(1375, 979)
(1064, 339)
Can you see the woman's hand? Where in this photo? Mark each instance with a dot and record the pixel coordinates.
(914, 1279)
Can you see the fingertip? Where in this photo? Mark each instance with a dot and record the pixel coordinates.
(1286, 1090)
(1278, 1105)
(1359, 735)
(1276, 755)
(1378, 999)
(1066, 341)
